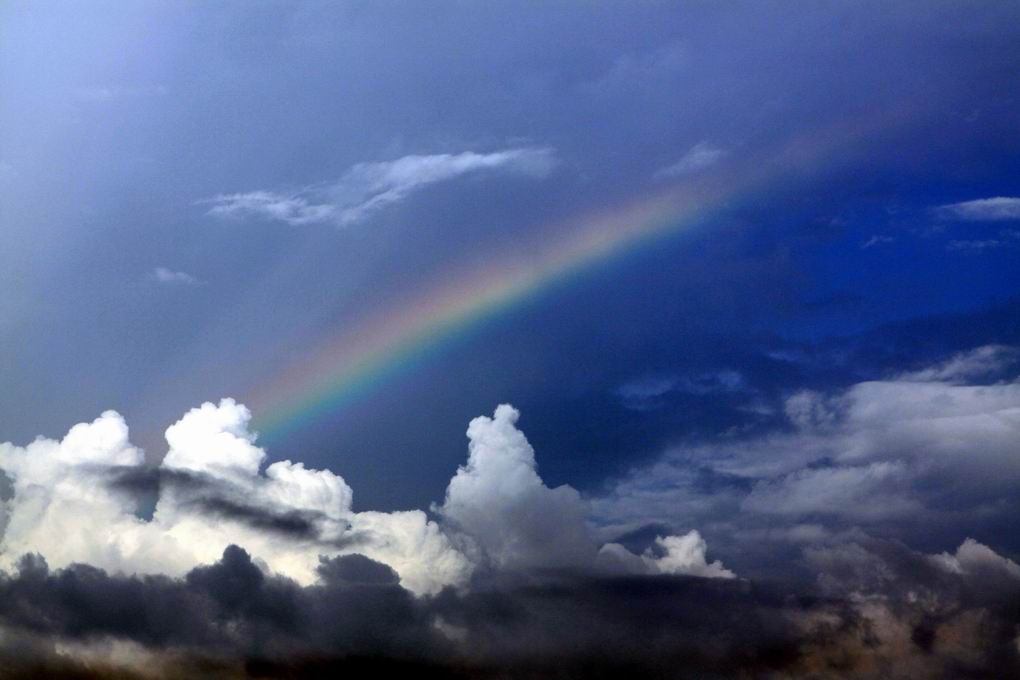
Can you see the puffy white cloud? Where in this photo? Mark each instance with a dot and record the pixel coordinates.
(74, 500)
(220, 428)
(499, 501)
(67, 506)
(982, 209)
(676, 555)
(686, 555)
(369, 187)
(62, 509)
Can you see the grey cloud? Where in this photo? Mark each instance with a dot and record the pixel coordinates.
(929, 454)
(878, 605)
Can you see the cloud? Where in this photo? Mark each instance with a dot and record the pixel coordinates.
(858, 492)
(676, 555)
(498, 500)
(369, 187)
(877, 605)
(645, 393)
(700, 157)
(982, 209)
(170, 277)
(71, 504)
(245, 571)
(76, 500)
(930, 453)
(978, 363)
(975, 246)
(877, 240)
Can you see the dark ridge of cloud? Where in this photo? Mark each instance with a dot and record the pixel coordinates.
(291, 523)
(295, 524)
(356, 568)
(149, 481)
(220, 498)
(229, 609)
(880, 611)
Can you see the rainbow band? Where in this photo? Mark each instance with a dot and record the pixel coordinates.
(396, 339)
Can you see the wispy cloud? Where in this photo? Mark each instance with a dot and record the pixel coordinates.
(1006, 238)
(369, 187)
(975, 246)
(698, 158)
(982, 209)
(170, 277)
(646, 393)
(877, 240)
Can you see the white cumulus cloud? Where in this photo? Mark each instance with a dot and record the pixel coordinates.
(499, 500)
(76, 500)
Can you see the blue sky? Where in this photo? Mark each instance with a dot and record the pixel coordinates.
(120, 121)
(816, 380)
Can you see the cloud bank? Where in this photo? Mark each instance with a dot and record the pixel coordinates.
(369, 187)
(926, 455)
(880, 611)
(78, 500)
(240, 569)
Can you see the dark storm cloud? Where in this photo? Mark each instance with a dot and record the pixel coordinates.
(882, 611)
(229, 608)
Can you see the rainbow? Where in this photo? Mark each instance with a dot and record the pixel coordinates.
(395, 339)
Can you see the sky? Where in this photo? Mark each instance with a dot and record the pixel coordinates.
(400, 333)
